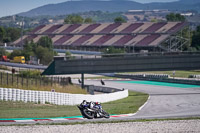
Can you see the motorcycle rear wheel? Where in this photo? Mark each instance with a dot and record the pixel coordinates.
(88, 114)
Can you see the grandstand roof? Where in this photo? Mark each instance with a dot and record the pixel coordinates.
(108, 34)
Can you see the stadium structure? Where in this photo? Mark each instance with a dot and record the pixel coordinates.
(162, 36)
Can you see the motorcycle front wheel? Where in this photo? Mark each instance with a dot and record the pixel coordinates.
(88, 114)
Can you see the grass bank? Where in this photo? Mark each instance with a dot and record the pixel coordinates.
(9, 109)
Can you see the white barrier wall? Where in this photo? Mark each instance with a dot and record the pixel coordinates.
(8, 94)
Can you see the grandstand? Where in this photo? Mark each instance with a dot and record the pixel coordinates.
(131, 36)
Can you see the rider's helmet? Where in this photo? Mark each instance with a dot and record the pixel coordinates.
(97, 103)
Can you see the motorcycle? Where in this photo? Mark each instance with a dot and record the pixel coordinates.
(92, 112)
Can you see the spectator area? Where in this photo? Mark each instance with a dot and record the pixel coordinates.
(147, 34)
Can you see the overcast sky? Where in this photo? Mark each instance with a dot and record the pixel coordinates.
(11, 7)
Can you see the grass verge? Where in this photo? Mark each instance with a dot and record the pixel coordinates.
(10, 109)
(73, 89)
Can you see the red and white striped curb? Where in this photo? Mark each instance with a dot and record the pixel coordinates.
(58, 119)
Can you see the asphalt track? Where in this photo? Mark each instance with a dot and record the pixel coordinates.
(165, 101)
(168, 100)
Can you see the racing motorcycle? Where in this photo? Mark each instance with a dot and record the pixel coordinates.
(92, 110)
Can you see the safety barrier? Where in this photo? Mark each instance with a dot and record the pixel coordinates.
(168, 80)
(144, 76)
(43, 97)
(194, 76)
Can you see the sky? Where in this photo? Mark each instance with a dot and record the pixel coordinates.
(11, 7)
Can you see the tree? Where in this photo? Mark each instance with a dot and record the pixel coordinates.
(2, 34)
(68, 54)
(6, 39)
(112, 50)
(44, 55)
(2, 51)
(74, 19)
(13, 33)
(175, 17)
(46, 42)
(15, 52)
(196, 39)
(119, 20)
(88, 21)
(29, 50)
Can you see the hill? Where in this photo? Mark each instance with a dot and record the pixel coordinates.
(111, 6)
(82, 6)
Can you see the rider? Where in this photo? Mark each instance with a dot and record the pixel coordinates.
(92, 105)
(95, 105)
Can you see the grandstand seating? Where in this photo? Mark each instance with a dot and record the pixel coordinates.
(109, 28)
(135, 40)
(99, 28)
(147, 34)
(90, 28)
(37, 29)
(81, 40)
(80, 28)
(176, 27)
(166, 27)
(111, 41)
(131, 28)
(59, 30)
(147, 40)
(56, 37)
(159, 40)
(71, 28)
(142, 27)
(123, 40)
(44, 29)
(63, 39)
(102, 40)
(52, 29)
(92, 40)
(120, 28)
(71, 40)
(154, 27)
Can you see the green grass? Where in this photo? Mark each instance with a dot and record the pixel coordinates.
(9, 109)
(127, 105)
(182, 74)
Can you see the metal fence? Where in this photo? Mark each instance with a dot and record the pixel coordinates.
(17, 81)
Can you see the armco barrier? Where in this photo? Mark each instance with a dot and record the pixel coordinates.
(8, 94)
(168, 80)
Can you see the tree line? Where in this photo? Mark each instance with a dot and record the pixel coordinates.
(43, 50)
(9, 34)
(77, 19)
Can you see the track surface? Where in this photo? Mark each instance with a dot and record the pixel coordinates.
(170, 101)
(164, 101)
